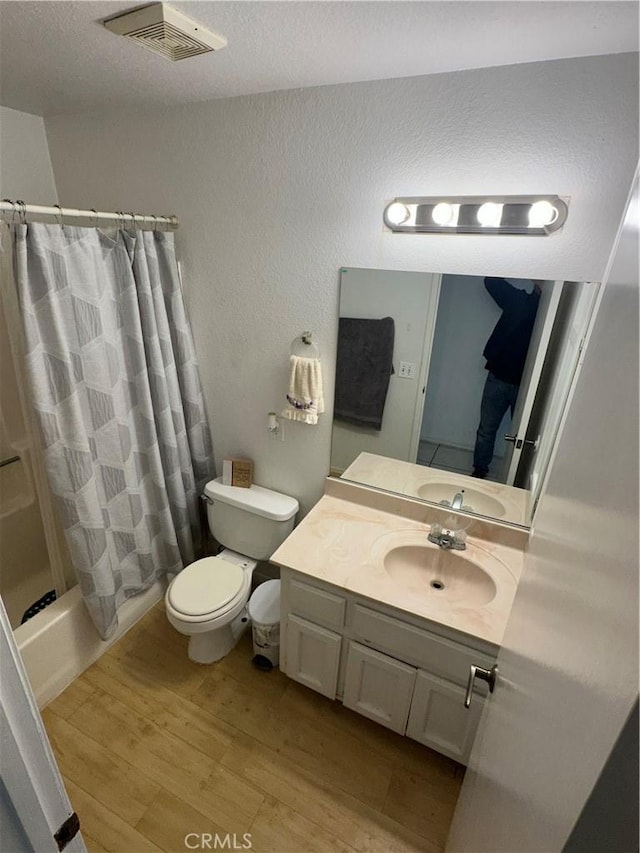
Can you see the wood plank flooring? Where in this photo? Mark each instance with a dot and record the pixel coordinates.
(153, 747)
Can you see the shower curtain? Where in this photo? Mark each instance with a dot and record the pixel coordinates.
(116, 389)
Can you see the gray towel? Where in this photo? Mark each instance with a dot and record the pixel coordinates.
(364, 366)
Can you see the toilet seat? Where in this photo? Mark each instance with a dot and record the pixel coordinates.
(203, 591)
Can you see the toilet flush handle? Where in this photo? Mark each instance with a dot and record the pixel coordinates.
(488, 675)
(206, 499)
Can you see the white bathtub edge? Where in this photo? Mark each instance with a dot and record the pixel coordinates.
(61, 642)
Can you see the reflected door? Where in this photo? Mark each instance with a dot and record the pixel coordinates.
(545, 318)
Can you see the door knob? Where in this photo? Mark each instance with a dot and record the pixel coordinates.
(512, 438)
(488, 675)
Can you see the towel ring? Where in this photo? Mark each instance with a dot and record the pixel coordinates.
(304, 347)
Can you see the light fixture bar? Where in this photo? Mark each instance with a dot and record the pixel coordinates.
(536, 215)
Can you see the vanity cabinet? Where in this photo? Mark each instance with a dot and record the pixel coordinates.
(401, 671)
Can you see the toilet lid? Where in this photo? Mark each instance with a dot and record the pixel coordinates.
(205, 586)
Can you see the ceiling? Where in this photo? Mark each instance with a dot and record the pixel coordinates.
(57, 58)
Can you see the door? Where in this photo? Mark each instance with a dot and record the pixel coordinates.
(425, 362)
(378, 687)
(567, 340)
(313, 656)
(545, 317)
(568, 666)
(34, 806)
(439, 719)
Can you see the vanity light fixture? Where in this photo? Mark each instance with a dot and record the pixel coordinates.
(515, 214)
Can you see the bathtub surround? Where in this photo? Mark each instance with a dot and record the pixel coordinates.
(116, 390)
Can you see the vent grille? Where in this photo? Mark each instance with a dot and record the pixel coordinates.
(169, 41)
(166, 31)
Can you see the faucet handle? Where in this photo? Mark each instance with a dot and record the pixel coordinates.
(435, 529)
(460, 536)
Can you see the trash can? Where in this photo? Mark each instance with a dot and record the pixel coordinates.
(264, 612)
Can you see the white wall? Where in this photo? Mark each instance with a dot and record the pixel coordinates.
(405, 296)
(466, 317)
(25, 164)
(277, 192)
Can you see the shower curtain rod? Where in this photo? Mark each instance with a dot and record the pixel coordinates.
(22, 212)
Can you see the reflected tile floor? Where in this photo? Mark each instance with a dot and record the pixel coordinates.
(448, 458)
(153, 747)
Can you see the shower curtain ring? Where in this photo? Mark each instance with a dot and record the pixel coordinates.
(59, 215)
(133, 220)
(13, 208)
(22, 207)
(94, 221)
(155, 223)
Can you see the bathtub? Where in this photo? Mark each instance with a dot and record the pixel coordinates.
(61, 642)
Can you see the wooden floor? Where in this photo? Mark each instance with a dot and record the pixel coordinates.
(153, 747)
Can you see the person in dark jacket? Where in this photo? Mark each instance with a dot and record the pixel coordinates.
(506, 353)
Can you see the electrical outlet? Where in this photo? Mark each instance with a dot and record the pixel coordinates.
(407, 370)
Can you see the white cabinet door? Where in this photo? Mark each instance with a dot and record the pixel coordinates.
(378, 687)
(313, 655)
(439, 719)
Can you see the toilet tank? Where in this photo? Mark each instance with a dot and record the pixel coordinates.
(253, 521)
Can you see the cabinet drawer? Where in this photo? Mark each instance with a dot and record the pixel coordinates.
(318, 606)
(415, 646)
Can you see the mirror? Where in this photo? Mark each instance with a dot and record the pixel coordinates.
(411, 378)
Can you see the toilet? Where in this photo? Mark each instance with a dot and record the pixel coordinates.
(207, 600)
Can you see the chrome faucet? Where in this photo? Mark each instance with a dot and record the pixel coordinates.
(458, 500)
(448, 539)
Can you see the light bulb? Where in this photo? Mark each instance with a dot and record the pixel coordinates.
(397, 213)
(442, 213)
(490, 214)
(542, 213)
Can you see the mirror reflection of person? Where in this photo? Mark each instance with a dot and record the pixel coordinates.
(506, 353)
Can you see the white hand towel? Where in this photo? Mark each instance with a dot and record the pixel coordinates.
(304, 398)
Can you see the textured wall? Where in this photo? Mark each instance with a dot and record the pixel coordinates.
(276, 192)
(25, 165)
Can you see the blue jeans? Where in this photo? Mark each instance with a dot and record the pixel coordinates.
(497, 397)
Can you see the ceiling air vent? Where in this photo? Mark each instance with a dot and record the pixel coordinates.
(163, 30)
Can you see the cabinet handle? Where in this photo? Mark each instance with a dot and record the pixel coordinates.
(488, 675)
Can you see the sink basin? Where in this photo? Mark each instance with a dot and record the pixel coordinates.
(442, 576)
(474, 500)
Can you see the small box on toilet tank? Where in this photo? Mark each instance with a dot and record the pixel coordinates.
(237, 472)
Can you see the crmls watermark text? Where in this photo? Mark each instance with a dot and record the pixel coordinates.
(213, 841)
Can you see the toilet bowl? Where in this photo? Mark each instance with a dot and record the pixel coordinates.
(207, 602)
(207, 599)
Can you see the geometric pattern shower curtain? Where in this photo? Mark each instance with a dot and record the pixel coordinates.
(116, 389)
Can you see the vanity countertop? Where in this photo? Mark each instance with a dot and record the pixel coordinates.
(341, 542)
(503, 503)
